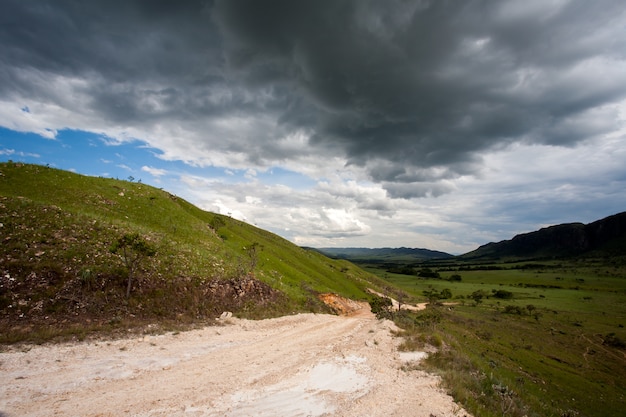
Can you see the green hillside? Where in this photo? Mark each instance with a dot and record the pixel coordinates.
(58, 274)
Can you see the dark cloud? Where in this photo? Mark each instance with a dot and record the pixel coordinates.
(432, 84)
(120, 40)
(414, 91)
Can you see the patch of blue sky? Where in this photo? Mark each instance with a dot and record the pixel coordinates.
(20, 147)
(84, 152)
(95, 154)
(87, 153)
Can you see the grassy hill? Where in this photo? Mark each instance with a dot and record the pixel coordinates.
(58, 275)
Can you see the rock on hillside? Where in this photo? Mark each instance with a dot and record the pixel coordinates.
(341, 305)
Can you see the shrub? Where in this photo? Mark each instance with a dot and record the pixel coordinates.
(478, 296)
(428, 318)
(513, 310)
(611, 339)
(405, 270)
(502, 294)
(428, 273)
(445, 293)
(381, 307)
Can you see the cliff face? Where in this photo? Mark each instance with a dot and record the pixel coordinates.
(563, 239)
(605, 230)
(560, 240)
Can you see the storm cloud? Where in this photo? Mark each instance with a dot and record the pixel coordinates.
(411, 94)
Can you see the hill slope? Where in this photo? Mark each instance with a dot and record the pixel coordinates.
(602, 237)
(57, 271)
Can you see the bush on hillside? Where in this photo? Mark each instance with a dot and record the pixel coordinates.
(502, 294)
(428, 273)
(132, 249)
(382, 307)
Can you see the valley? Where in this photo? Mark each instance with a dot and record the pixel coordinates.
(533, 333)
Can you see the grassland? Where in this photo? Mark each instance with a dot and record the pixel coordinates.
(543, 340)
(59, 277)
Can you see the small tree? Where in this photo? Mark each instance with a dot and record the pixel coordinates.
(132, 249)
(253, 253)
(478, 296)
(446, 293)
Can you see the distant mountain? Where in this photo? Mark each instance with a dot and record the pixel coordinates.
(382, 255)
(603, 237)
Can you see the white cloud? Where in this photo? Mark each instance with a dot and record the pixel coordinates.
(219, 207)
(155, 172)
(524, 187)
(13, 152)
(340, 222)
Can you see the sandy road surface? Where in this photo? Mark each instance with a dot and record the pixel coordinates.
(302, 365)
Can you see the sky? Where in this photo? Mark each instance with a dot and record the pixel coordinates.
(333, 123)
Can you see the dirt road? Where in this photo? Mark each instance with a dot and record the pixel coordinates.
(301, 365)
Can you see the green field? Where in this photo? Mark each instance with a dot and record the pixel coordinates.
(556, 347)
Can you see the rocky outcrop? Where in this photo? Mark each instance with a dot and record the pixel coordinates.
(233, 294)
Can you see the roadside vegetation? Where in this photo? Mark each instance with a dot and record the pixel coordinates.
(540, 338)
(84, 255)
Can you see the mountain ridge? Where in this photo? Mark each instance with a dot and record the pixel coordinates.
(386, 254)
(605, 236)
